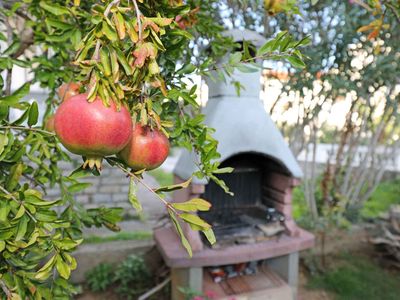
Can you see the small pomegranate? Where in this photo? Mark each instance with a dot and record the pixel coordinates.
(147, 149)
(68, 90)
(49, 123)
(92, 129)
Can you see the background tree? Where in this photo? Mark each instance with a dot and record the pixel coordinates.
(351, 77)
(133, 53)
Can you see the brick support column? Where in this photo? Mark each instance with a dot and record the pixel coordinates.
(287, 266)
(191, 278)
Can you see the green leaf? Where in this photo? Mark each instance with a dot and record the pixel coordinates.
(303, 42)
(44, 271)
(194, 219)
(54, 8)
(46, 216)
(180, 32)
(22, 118)
(3, 142)
(122, 60)
(209, 234)
(36, 201)
(76, 38)
(77, 187)
(267, 47)
(2, 246)
(62, 268)
(20, 213)
(12, 48)
(132, 196)
(278, 40)
(5, 209)
(22, 227)
(58, 24)
(82, 173)
(224, 170)
(174, 187)
(17, 95)
(295, 62)
(15, 174)
(33, 114)
(247, 68)
(222, 184)
(186, 69)
(105, 61)
(178, 228)
(193, 205)
(110, 32)
(235, 58)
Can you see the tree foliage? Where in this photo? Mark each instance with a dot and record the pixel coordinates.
(136, 53)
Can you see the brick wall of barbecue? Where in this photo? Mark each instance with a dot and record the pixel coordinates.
(109, 190)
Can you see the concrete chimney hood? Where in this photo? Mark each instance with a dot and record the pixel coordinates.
(242, 125)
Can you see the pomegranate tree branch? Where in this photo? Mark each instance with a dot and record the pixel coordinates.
(96, 54)
(393, 9)
(138, 16)
(167, 204)
(108, 8)
(9, 42)
(5, 289)
(27, 129)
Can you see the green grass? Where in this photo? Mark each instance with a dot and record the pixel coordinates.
(386, 194)
(120, 236)
(162, 177)
(358, 278)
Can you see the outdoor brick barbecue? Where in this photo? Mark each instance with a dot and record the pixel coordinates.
(254, 228)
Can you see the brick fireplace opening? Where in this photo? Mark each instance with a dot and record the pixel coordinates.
(258, 242)
(257, 211)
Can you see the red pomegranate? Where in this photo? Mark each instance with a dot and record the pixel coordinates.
(68, 90)
(92, 129)
(147, 149)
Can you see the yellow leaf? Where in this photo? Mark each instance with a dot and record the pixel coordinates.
(365, 28)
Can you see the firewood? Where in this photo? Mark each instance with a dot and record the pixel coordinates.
(387, 237)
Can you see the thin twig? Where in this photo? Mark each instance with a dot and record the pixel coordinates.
(139, 22)
(96, 54)
(361, 3)
(9, 42)
(155, 289)
(169, 206)
(33, 181)
(28, 129)
(251, 59)
(108, 8)
(5, 289)
(393, 9)
(196, 162)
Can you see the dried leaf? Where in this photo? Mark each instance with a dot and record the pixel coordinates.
(174, 187)
(132, 196)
